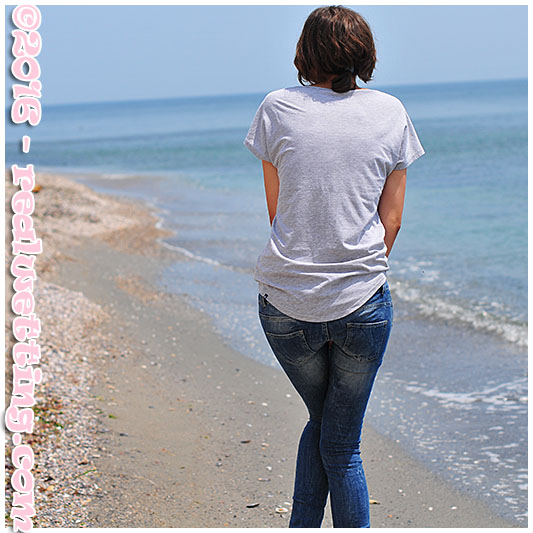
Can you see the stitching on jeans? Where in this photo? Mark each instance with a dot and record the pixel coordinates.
(293, 334)
(276, 317)
(387, 303)
(350, 326)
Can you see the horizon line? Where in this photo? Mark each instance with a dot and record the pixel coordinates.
(200, 96)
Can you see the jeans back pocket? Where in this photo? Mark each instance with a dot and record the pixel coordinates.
(366, 340)
(291, 348)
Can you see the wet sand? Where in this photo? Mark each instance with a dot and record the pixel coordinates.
(182, 430)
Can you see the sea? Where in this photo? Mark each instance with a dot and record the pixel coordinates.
(452, 390)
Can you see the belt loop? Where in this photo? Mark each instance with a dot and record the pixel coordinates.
(382, 289)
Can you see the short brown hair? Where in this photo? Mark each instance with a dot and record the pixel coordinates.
(335, 41)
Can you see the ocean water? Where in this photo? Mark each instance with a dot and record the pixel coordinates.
(462, 249)
(458, 269)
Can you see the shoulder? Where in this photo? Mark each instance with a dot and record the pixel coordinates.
(391, 102)
(276, 102)
(276, 96)
(390, 108)
(270, 102)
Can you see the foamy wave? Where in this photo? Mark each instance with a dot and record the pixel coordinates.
(439, 307)
(202, 259)
(510, 396)
(187, 253)
(192, 255)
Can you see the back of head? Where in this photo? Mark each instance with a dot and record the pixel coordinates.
(336, 42)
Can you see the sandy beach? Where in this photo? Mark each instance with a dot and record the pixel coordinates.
(147, 418)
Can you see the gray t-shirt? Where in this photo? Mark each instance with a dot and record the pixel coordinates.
(333, 152)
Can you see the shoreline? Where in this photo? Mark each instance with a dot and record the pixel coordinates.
(176, 426)
(421, 299)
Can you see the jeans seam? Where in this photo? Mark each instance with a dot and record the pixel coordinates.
(277, 317)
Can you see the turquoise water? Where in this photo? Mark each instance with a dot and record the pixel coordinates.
(463, 244)
(453, 391)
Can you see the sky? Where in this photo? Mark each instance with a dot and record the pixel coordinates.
(97, 53)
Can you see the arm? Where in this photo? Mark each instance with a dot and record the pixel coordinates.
(271, 178)
(390, 206)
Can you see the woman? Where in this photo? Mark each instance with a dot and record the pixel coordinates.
(334, 161)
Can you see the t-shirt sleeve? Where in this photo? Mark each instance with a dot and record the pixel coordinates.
(259, 135)
(411, 148)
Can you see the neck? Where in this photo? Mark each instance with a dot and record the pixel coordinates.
(327, 84)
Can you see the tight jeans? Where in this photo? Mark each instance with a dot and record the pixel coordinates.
(332, 366)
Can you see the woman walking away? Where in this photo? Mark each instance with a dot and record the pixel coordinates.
(334, 161)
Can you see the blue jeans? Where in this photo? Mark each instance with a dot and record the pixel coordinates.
(332, 366)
